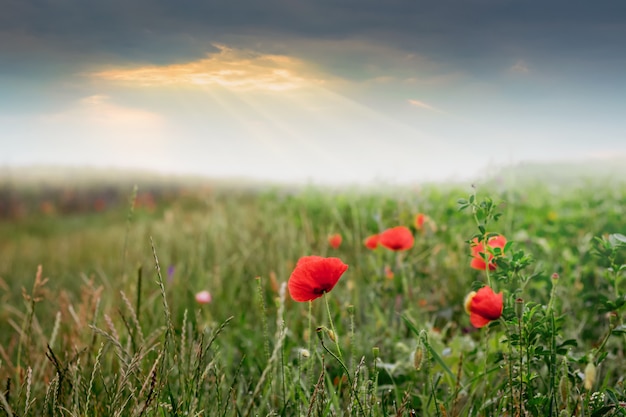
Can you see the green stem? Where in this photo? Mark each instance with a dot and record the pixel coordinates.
(345, 369)
(485, 250)
(310, 345)
(332, 327)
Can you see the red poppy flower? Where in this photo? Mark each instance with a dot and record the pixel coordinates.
(334, 240)
(314, 276)
(397, 238)
(483, 306)
(478, 261)
(419, 220)
(371, 242)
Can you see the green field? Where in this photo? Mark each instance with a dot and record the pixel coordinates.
(110, 325)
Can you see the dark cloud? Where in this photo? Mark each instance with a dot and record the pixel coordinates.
(166, 30)
(560, 41)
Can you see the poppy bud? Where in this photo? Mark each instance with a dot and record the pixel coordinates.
(564, 389)
(331, 335)
(590, 375)
(418, 357)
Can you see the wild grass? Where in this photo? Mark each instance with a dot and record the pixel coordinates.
(110, 324)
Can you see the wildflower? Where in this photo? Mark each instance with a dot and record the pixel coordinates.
(483, 306)
(478, 249)
(314, 276)
(334, 240)
(397, 238)
(419, 220)
(371, 242)
(203, 297)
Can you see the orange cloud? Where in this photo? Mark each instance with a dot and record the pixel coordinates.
(229, 68)
(421, 104)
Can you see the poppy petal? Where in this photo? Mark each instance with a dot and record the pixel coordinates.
(314, 276)
(478, 321)
(478, 263)
(371, 242)
(397, 238)
(487, 303)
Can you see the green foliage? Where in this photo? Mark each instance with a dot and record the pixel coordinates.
(116, 329)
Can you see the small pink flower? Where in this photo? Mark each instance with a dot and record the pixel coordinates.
(203, 297)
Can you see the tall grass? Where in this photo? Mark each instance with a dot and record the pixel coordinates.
(110, 325)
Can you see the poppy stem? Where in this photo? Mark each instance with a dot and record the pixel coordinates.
(332, 327)
(310, 342)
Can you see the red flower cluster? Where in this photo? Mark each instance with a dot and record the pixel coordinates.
(314, 276)
(483, 306)
(334, 240)
(478, 260)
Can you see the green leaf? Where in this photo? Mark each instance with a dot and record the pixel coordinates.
(568, 342)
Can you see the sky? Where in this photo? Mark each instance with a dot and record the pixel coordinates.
(322, 91)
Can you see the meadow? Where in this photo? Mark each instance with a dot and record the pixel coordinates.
(102, 311)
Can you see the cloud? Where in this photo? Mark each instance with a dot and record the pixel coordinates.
(99, 111)
(520, 67)
(234, 69)
(422, 105)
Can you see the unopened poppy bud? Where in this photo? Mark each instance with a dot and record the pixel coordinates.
(418, 357)
(319, 331)
(564, 389)
(612, 316)
(590, 375)
(331, 335)
(555, 276)
(519, 307)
